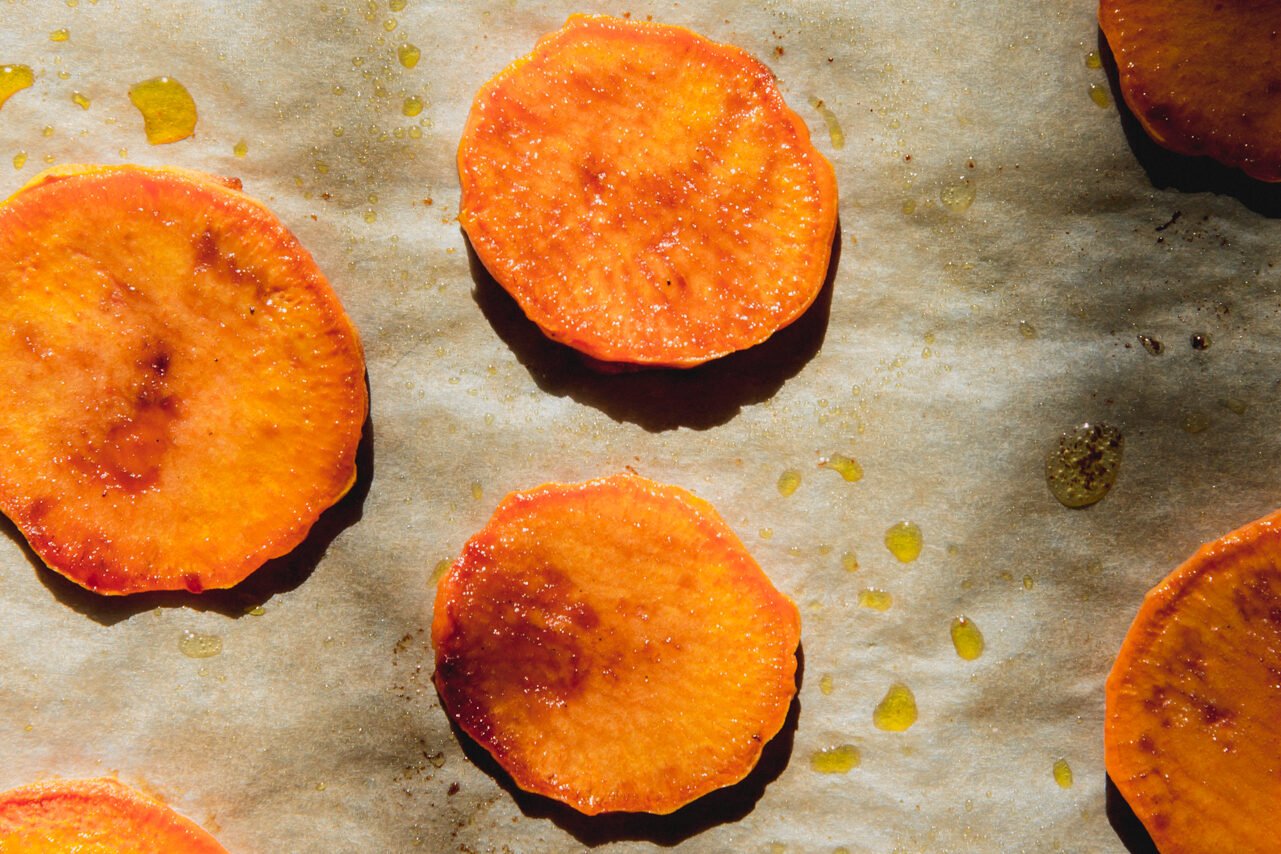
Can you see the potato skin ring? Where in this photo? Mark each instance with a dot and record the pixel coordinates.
(185, 394)
(645, 194)
(614, 646)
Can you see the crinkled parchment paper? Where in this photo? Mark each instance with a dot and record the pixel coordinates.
(952, 347)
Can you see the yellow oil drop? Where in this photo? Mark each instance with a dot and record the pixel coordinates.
(80, 100)
(397, 5)
(256, 611)
(168, 111)
(240, 149)
(413, 106)
(1028, 583)
(477, 491)
(195, 645)
(1093, 60)
(967, 638)
(897, 710)
(849, 561)
(877, 600)
(60, 35)
(846, 467)
(766, 533)
(1196, 422)
(836, 760)
(834, 130)
(959, 196)
(371, 215)
(1099, 95)
(1027, 330)
(825, 684)
(1063, 774)
(408, 55)
(1083, 467)
(788, 482)
(13, 79)
(46, 131)
(904, 541)
(442, 566)
(19, 160)
(415, 133)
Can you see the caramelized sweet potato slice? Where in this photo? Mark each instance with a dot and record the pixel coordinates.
(183, 392)
(614, 646)
(1203, 77)
(1193, 733)
(99, 816)
(645, 194)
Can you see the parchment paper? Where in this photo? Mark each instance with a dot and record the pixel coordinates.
(949, 351)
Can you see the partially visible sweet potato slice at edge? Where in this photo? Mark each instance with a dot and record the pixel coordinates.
(98, 816)
(645, 194)
(1203, 77)
(614, 646)
(184, 394)
(1193, 731)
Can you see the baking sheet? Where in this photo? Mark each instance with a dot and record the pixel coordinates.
(950, 349)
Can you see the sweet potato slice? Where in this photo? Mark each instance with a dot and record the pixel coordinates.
(1193, 733)
(645, 194)
(1203, 77)
(184, 394)
(614, 646)
(98, 816)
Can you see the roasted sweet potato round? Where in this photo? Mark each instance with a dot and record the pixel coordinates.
(1193, 732)
(645, 194)
(184, 394)
(614, 646)
(1202, 76)
(99, 816)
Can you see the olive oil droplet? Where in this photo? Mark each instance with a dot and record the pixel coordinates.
(877, 600)
(846, 467)
(60, 35)
(80, 100)
(1063, 774)
(168, 111)
(967, 638)
(1093, 60)
(825, 684)
(904, 541)
(195, 645)
(836, 760)
(408, 55)
(849, 561)
(442, 566)
(897, 710)
(959, 196)
(413, 106)
(834, 130)
(788, 482)
(240, 149)
(19, 160)
(1099, 95)
(13, 79)
(1083, 468)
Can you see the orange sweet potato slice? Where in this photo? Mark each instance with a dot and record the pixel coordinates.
(1193, 732)
(99, 816)
(1203, 77)
(614, 646)
(645, 194)
(184, 394)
